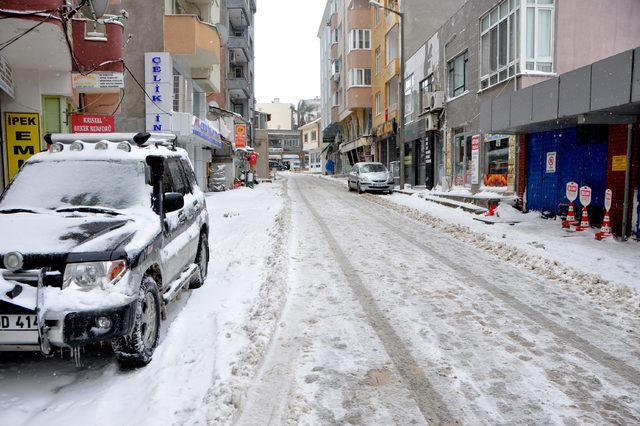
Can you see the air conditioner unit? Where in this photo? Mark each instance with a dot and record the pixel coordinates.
(431, 122)
(436, 100)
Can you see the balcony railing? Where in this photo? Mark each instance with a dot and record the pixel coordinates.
(197, 42)
(239, 87)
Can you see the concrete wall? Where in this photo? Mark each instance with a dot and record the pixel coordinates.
(147, 31)
(262, 148)
(423, 18)
(589, 30)
(281, 115)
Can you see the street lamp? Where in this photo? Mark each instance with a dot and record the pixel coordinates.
(400, 136)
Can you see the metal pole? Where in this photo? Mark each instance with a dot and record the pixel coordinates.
(401, 88)
(627, 185)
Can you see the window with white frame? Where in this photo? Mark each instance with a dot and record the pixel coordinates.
(539, 35)
(314, 135)
(335, 66)
(507, 29)
(360, 39)
(335, 35)
(360, 77)
(393, 45)
(378, 60)
(336, 98)
(408, 98)
(378, 103)
(457, 75)
(392, 93)
(499, 43)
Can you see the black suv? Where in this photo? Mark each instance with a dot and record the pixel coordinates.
(98, 234)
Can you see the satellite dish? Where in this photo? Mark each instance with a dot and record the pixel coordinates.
(99, 7)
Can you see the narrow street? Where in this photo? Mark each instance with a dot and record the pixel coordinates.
(389, 321)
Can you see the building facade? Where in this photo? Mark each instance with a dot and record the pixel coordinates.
(77, 90)
(282, 114)
(311, 136)
(346, 31)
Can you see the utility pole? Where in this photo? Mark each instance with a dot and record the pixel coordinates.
(401, 88)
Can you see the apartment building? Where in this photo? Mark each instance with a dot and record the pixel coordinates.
(385, 35)
(75, 85)
(282, 114)
(174, 51)
(311, 136)
(345, 34)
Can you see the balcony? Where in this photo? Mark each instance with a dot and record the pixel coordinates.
(196, 42)
(240, 14)
(239, 88)
(241, 48)
(94, 46)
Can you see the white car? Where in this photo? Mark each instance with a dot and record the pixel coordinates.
(370, 177)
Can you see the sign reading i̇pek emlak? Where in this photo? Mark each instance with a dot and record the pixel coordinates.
(23, 139)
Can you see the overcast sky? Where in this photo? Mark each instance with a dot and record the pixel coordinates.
(287, 49)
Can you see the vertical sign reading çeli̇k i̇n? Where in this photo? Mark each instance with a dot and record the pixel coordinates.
(23, 139)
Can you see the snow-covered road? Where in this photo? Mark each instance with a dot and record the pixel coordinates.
(392, 321)
(325, 307)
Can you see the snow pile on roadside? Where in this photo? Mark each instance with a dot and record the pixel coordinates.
(593, 284)
(225, 398)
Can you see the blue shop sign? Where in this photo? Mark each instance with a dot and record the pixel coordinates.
(206, 132)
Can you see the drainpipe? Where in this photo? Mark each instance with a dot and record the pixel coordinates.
(627, 185)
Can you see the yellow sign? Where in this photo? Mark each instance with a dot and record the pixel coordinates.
(619, 163)
(23, 139)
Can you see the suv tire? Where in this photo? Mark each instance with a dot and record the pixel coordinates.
(202, 260)
(136, 349)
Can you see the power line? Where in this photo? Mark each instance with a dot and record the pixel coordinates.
(12, 40)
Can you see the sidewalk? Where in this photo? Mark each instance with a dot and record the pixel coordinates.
(615, 261)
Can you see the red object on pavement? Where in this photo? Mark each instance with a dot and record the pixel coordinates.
(571, 217)
(605, 229)
(492, 210)
(584, 221)
(253, 159)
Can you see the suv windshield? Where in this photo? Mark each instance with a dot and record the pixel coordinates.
(63, 184)
(372, 168)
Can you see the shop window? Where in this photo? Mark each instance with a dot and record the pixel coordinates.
(496, 171)
(462, 160)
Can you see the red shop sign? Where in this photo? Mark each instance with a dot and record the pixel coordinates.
(82, 123)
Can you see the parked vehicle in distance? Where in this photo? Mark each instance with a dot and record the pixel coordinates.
(99, 234)
(370, 177)
(276, 165)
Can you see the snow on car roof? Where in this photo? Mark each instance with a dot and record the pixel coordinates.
(157, 144)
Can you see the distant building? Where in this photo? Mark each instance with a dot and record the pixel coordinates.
(282, 114)
(308, 110)
(311, 136)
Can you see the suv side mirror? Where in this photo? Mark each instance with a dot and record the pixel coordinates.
(172, 201)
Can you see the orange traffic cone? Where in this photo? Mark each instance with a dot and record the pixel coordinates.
(584, 221)
(571, 217)
(605, 229)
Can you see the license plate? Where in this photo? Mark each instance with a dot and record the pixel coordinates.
(18, 322)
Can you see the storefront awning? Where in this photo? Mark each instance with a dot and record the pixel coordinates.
(348, 146)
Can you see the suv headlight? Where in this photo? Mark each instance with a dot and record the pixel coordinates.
(90, 275)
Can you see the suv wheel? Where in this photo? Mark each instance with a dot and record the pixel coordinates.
(136, 349)
(202, 260)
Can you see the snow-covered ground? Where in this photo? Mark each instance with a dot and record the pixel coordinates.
(210, 347)
(325, 307)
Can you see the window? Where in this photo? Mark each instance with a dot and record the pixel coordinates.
(499, 43)
(314, 136)
(392, 93)
(336, 98)
(237, 72)
(335, 66)
(335, 35)
(360, 39)
(458, 75)
(306, 137)
(377, 14)
(238, 109)
(378, 60)
(501, 36)
(408, 98)
(378, 103)
(360, 77)
(539, 36)
(188, 173)
(393, 44)
(497, 161)
(426, 86)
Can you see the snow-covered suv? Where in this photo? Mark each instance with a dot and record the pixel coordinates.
(97, 235)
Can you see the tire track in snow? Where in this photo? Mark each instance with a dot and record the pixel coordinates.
(429, 402)
(610, 362)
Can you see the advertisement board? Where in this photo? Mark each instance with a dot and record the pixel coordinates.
(23, 139)
(84, 123)
(241, 135)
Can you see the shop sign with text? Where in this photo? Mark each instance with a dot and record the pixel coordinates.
(82, 123)
(23, 139)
